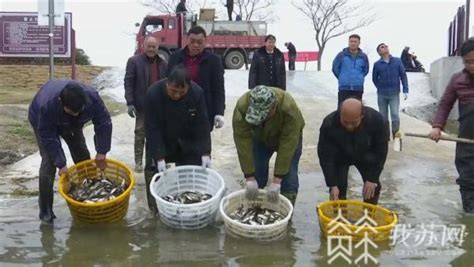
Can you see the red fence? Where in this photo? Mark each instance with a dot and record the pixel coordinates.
(458, 30)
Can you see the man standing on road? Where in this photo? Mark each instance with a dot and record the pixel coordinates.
(206, 70)
(353, 135)
(177, 126)
(461, 89)
(268, 66)
(387, 73)
(142, 71)
(60, 109)
(267, 120)
(350, 67)
(291, 55)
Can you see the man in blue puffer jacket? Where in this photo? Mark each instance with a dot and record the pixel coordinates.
(387, 73)
(350, 67)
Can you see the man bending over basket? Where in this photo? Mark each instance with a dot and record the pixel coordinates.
(60, 109)
(354, 135)
(267, 120)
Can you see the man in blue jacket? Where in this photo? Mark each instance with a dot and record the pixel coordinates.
(387, 73)
(350, 67)
(60, 109)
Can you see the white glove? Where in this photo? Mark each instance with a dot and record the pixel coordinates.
(161, 165)
(405, 95)
(206, 161)
(131, 111)
(251, 189)
(273, 192)
(218, 121)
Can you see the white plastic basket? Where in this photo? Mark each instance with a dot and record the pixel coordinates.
(274, 231)
(187, 178)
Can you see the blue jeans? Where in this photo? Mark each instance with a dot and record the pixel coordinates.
(393, 102)
(262, 155)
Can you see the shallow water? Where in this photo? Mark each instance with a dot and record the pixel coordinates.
(141, 240)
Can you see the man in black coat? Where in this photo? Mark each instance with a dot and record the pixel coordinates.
(230, 8)
(142, 71)
(291, 55)
(177, 126)
(354, 135)
(268, 66)
(181, 7)
(206, 70)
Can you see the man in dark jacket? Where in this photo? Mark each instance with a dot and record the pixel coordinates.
(387, 74)
(206, 70)
(268, 66)
(177, 126)
(60, 109)
(181, 7)
(350, 67)
(230, 8)
(291, 55)
(142, 71)
(461, 89)
(354, 135)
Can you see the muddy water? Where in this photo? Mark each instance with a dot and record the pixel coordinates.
(421, 192)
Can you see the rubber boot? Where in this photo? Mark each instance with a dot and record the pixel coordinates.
(150, 199)
(467, 197)
(291, 197)
(46, 198)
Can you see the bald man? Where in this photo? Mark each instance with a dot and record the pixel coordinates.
(142, 71)
(354, 135)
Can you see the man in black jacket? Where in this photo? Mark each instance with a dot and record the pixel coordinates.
(291, 55)
(177, 126)
(142, 71)
(206, 70)
(268, 66)
(354, 135)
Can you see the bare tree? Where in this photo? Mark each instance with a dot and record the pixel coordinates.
(169, 6)
(332, 18)
(254, 9)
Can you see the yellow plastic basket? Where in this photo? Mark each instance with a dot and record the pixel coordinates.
(352, 218)
(107, 211)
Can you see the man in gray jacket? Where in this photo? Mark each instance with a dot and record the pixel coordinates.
(142, 71)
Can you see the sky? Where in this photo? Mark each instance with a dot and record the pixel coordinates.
(105, 28)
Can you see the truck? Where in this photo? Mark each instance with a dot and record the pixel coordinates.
(235, 41)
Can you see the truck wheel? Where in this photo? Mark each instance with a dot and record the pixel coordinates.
(164, 55)
(234, 60)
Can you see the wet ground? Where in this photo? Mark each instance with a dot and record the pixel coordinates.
(418, 184)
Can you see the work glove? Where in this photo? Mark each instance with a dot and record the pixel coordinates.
(206, 161)
(218, 121)
(161, 165)
(131, 111)
(273, 192)
(405, 96)
(251, 189)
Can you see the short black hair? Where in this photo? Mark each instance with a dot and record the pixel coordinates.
(467, 46)
(270, 37)
(180, 76)
(197, 30)
(355, 36)
(73, 97)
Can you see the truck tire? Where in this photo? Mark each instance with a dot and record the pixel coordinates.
(164, 55)
(234, 60)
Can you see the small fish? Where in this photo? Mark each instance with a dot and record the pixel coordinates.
(256, 215)
(99, 189)
(187, 197)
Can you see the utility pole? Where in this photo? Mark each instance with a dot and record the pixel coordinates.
(51, 39)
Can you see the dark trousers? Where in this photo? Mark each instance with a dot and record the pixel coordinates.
(364, 170)
(291, 62)
(345, 94)
(76, 142)
(151, 170)
(139, 137)
(290, 183)
(465, 166)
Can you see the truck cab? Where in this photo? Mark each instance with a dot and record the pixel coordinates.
(233, 40)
